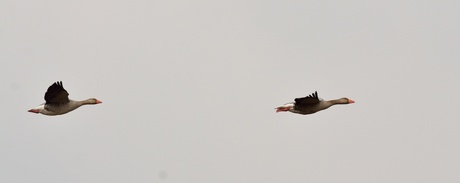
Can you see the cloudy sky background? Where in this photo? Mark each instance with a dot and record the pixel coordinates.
(189, 87)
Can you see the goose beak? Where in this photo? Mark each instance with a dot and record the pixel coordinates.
(351, 101)
(34, 111)
(282, 109)
(98, 101)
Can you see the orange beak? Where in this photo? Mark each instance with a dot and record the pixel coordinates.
(351, 101)
(34, 111)
(98, 101)
(282, 109)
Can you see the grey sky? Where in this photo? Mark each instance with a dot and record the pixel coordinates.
(189, 89)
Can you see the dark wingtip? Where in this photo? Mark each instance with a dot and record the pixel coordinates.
(59, 84)
(313, 95)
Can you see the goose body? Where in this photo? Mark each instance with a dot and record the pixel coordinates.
(58, 102)
(311, 104)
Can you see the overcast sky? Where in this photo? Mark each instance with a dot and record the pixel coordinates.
(189, 90)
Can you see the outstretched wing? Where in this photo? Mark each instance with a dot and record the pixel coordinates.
(56, 94)
(308, 100)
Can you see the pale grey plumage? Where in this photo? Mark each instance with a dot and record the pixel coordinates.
(57, 101)
(311, 104)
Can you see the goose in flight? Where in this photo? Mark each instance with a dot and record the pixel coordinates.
(58, 102)
(311, 104)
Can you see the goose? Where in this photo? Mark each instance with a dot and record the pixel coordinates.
(58, 102)
(311, 104)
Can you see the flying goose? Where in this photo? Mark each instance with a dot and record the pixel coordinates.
(58, 102)
(311, 104)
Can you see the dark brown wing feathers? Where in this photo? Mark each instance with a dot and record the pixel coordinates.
(308, 100)
(56, 94)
